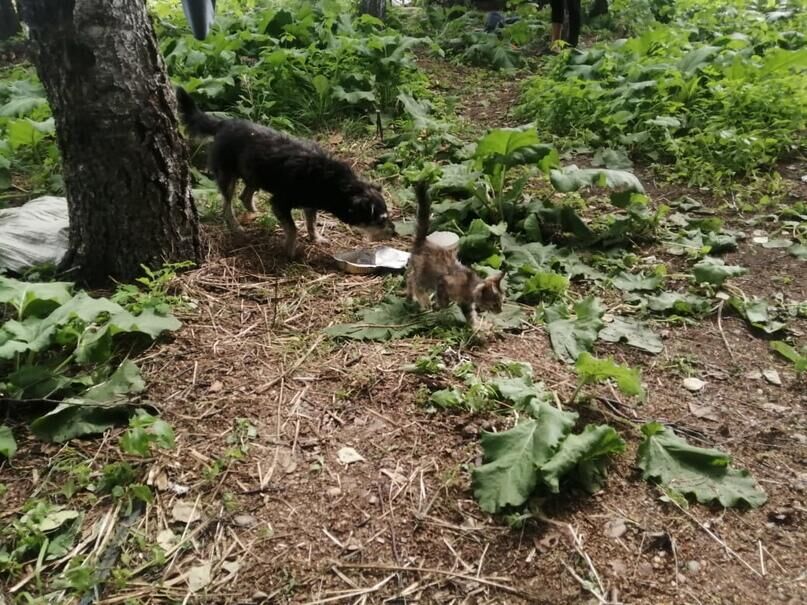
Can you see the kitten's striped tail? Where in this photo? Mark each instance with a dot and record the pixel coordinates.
(423, 213)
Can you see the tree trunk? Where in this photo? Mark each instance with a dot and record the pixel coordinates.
(125, 164)
(376, 8)
(9, 21)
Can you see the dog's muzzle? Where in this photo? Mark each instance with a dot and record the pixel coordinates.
(379, 232)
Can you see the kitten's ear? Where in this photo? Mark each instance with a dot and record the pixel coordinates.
(497, 278)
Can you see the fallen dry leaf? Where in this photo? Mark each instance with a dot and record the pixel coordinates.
(693, 384)
(772, 376)
(704, 411)
(198, 577)
(184, 512)
(166, 539)
(347, 455)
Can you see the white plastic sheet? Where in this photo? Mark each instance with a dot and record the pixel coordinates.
(33, 234)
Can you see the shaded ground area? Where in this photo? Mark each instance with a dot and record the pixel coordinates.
(262, 489)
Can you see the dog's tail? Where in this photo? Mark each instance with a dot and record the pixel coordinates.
(198, 122)
(423, 213)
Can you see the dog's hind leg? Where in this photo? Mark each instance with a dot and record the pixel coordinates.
(311, 225)
(227, 188)
(283, 214)
(248, 198)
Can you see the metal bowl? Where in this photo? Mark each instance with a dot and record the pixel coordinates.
(375, 260)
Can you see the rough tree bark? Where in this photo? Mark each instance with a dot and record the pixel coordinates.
(9, 21)
(125, 164)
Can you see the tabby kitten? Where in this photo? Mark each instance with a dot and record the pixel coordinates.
(438, 270)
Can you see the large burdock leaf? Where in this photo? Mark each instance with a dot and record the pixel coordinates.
(514, 457)
(95, 410)
(633, 332)
(392, 319)
(512, 147)
(573, 178)
(715, 271)
(587, 453)
(35, 334)
(29, 298)
(96, 344)
(702, 473)
(572, 336)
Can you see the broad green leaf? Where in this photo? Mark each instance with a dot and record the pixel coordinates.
(37, 298)
(96, 344)
(20, 106)
(419, 112)
(537, 255)
(702, 473)
(633, 332)
(616, 159)
(354, 96)
(392, 319)
(631, 283)
(512, 147)
(513, 457)
(447, 399)
(587, 453)
(512, 317)
(779, 59)
(664, 121)
(572, 336)
(481, 240)
(791, 354)
(560, 219)
(679, 303)
(35, 334)
(136, 441)
(521, 391)
(25, 132)
(321, 84)
(757, 313)
(592, 370)
(573, 178)
(97, 409)
(56, 518)
(715, 271)
(542, 286)
(8, 445)
(697, 58)
(39, 382)
(799, 251)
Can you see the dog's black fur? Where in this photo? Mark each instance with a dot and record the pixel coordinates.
(298, 174)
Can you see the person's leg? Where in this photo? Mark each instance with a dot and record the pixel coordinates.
(573, 6)
(556, 19)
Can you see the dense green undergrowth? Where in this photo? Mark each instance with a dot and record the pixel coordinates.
(716, 93)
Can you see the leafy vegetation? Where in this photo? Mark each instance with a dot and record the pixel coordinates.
(702, 473)
(714, 97)
(61, 355)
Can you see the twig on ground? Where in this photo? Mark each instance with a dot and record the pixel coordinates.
(712, 535)
(720, 329)
(452, 574)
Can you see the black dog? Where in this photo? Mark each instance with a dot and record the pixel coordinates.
(298, 174)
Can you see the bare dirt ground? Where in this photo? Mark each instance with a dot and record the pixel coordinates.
(262, 403)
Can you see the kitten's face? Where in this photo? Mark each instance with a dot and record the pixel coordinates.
(488, 295)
